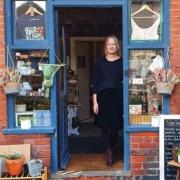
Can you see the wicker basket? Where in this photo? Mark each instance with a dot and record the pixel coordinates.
(11, 88)
(164, 88)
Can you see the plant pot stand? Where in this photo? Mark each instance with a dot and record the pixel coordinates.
(43, 176)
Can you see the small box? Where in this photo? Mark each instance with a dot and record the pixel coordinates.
(135, 109)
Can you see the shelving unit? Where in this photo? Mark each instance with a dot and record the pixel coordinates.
(43, 176)
(32, 90)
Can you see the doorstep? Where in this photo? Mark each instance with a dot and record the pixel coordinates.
(75, 174)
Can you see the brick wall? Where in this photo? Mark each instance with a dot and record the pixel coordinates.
(144, 152)
(40, 144)
(175, 51)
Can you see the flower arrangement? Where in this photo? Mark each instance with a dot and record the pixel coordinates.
(165, 76)
(9, 75)
(164, 80)
(10, 80)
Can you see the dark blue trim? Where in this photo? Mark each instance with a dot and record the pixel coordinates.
(11, 111)
(147, 45)
(53, 60)
(166, 10)
(30, 44)
(37, 46)
(8, 21)
(88, 3)
(34, 130)
(142, 128)
(125, 88)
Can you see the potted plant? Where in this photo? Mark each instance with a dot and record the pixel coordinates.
(26, 122)
(164, 80)
(178, 154)
(10, 80)
(14, 163)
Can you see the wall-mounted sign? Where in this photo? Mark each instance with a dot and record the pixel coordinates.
(169, 136)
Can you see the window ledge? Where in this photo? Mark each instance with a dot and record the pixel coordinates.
(142, 128)
(34, 130)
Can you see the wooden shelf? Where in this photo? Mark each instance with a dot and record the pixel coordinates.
(43, 176)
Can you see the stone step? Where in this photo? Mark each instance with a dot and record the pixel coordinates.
(92, 175)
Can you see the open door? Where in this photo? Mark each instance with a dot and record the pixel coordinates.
(63, 150)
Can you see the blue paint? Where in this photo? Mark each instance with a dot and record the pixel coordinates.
(142, 128)
(51, 40)
(10, 111)
(88, 3)
(34, 130)
(125, 87)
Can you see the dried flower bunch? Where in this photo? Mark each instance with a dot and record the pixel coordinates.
(9, 75)
(165, 76)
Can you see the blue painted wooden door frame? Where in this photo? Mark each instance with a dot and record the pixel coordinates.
(98, 3)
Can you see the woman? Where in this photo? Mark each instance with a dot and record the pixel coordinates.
(108, 96)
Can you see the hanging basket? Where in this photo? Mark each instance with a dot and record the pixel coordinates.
(11, 87)
(164, 88)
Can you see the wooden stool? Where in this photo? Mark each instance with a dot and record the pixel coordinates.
(177, 165)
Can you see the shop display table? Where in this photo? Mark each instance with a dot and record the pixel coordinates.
(177, 166)
(43, 176)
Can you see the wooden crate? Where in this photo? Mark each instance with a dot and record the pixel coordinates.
(43, 176)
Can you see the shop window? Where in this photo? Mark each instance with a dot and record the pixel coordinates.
(144, 101)
(30, 20)
(32, 102)
(146, 18)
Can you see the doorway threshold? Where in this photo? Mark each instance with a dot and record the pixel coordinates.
(91, 165)
(76, 174)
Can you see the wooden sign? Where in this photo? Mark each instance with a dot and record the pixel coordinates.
(10, 149)
(169, 135)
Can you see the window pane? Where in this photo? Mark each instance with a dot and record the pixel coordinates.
(144, 102)
(146, 20)
(30, 20)
(32, 101)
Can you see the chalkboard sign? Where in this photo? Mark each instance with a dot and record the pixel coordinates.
(169, 136)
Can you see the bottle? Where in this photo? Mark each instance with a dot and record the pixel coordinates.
(144, 103)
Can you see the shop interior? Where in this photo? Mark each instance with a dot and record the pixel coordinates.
(85, 31)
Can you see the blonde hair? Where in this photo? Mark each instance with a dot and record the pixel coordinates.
(116, 43)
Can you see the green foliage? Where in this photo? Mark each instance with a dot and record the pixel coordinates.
(135, 99)
(14, 156)
(178, 151)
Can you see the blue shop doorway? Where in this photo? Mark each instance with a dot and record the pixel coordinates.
(80, 36)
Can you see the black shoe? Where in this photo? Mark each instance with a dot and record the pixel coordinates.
(109, 157)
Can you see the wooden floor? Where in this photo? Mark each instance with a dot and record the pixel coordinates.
(91, 167)
(92, 162)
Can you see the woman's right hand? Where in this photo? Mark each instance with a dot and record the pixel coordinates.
(95, 108)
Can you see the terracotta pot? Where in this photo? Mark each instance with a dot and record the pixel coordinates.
(14, 167)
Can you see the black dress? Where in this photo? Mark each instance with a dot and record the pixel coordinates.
(108, 76)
